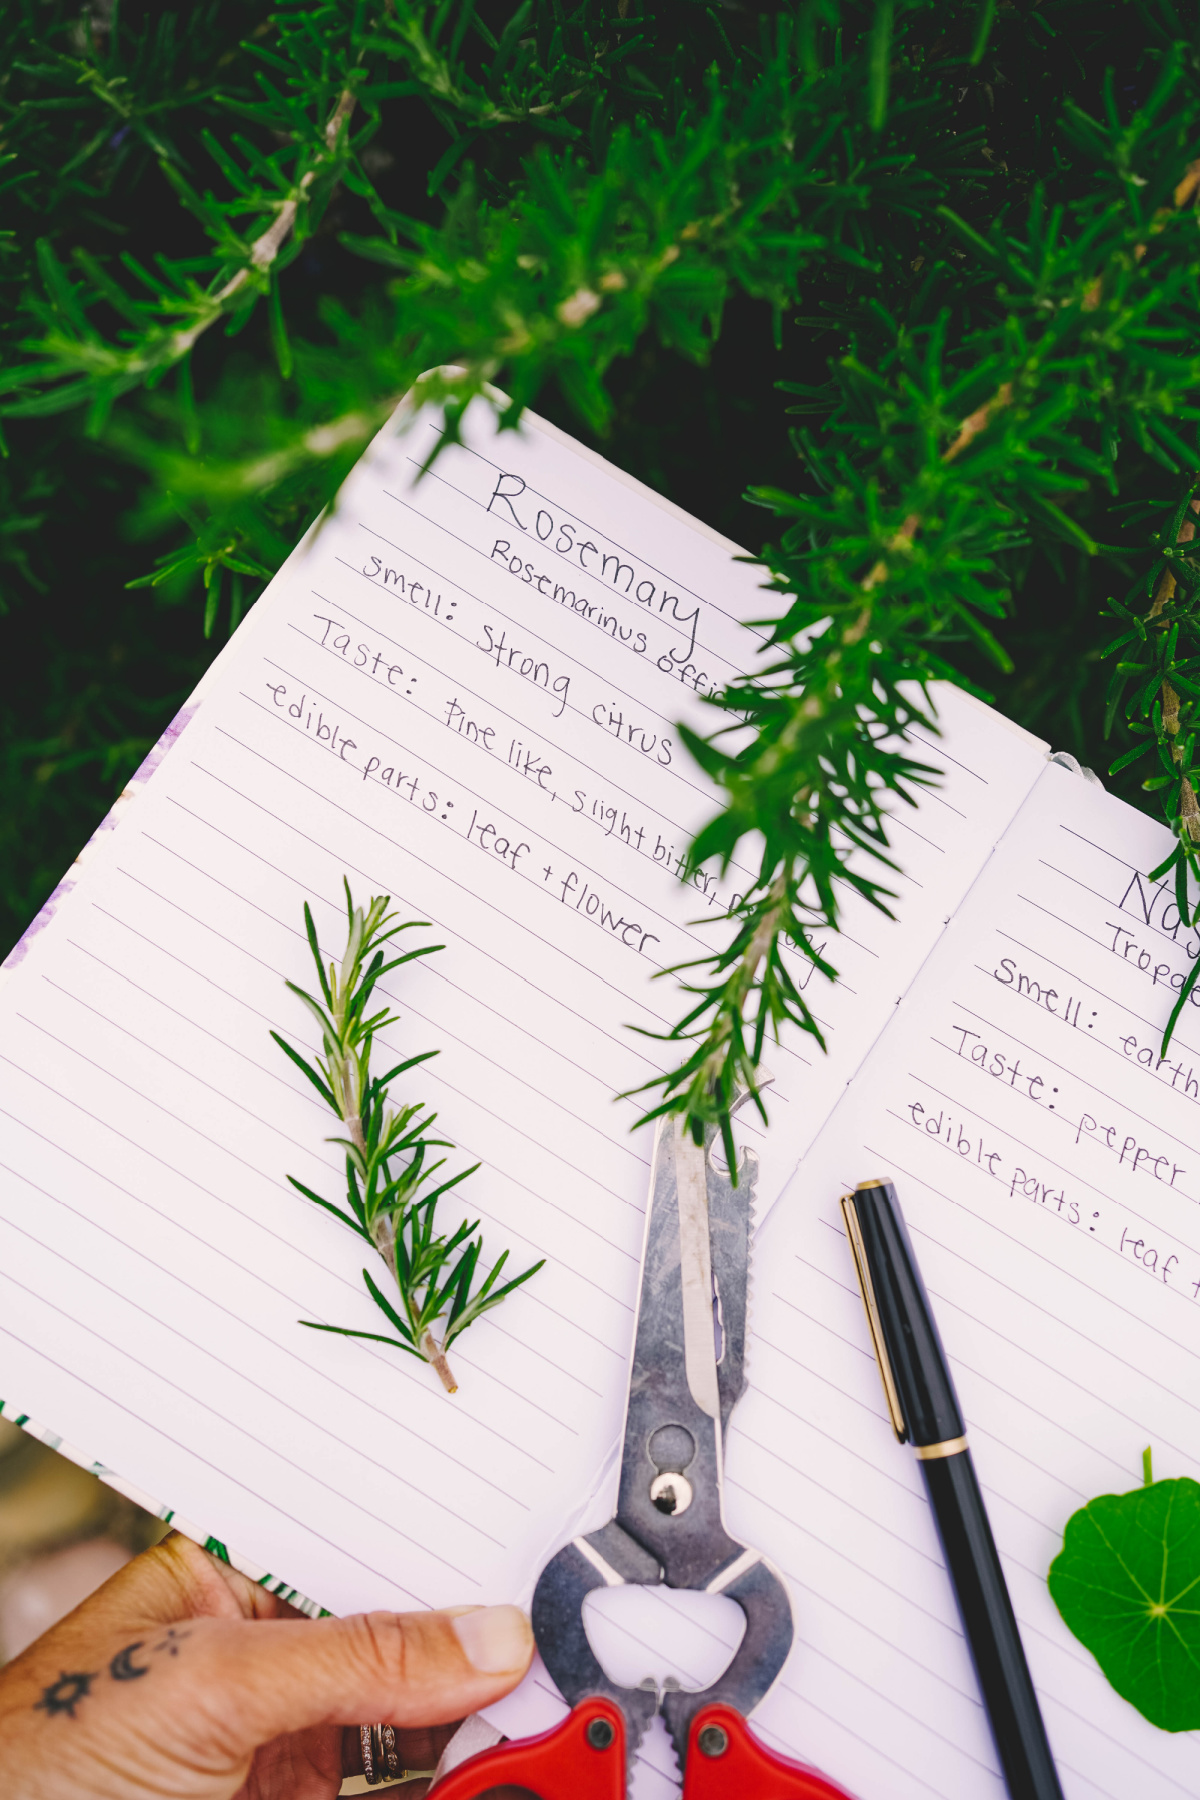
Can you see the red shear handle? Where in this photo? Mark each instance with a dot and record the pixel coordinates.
(584, 1759)
(726, 1761)
(581, 1759)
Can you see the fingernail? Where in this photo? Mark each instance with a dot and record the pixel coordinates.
(495, 1639)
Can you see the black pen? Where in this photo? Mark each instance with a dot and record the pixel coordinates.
(920, 1395)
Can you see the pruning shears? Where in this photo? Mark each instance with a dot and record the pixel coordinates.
(669, 1529)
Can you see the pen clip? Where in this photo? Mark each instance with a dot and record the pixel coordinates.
(859, 1251)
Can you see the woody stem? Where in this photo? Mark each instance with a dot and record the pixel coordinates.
(433, 1353)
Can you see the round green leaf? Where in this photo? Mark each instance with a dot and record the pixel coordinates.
(1127, 1582)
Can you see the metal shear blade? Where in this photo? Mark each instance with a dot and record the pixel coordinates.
(686, 1377)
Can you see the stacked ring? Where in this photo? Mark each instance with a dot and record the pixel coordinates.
(387, 1757)
(380, 1756)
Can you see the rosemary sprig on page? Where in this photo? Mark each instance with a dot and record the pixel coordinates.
(388, 1149)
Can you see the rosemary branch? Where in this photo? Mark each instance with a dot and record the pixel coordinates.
(724, 1061)
(266, 247)
(1189, 810)
(387, 1150)
(829, 716)
(1160, 653)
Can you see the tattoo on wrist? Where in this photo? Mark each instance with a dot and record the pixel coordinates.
(123, 1668)
(64, 1695)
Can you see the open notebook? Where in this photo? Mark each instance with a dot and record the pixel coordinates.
(462, 691)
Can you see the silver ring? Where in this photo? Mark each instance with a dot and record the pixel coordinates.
(368, 1755)
(391, 1756)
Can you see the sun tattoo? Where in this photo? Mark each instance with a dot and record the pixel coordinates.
(64, 1695)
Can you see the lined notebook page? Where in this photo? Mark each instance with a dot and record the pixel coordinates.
(1046, 1162)
(462, 692)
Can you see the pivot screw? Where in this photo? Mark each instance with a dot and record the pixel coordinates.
(600, 1734)
(713, 1741)
(671, 1493)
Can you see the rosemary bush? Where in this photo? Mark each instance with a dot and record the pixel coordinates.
(960, 237)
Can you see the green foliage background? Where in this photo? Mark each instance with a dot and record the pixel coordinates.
(768, 260)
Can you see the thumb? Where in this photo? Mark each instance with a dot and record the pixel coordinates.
(251, 1681)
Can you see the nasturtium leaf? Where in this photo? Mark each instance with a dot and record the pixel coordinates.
(1127, 1582)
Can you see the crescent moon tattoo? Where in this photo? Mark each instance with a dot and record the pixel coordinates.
(121, 1668)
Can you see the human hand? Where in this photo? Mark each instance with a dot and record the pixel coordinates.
(181, 1680)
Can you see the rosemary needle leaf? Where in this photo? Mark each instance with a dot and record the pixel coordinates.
(329, 1206)
(402, 1068)
(382, 1302)
(375, 1337)
(453, 1182)
(311, 930)
(305, 1067)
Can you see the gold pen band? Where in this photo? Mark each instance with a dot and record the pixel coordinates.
(874, 1323)
(932, 1452)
